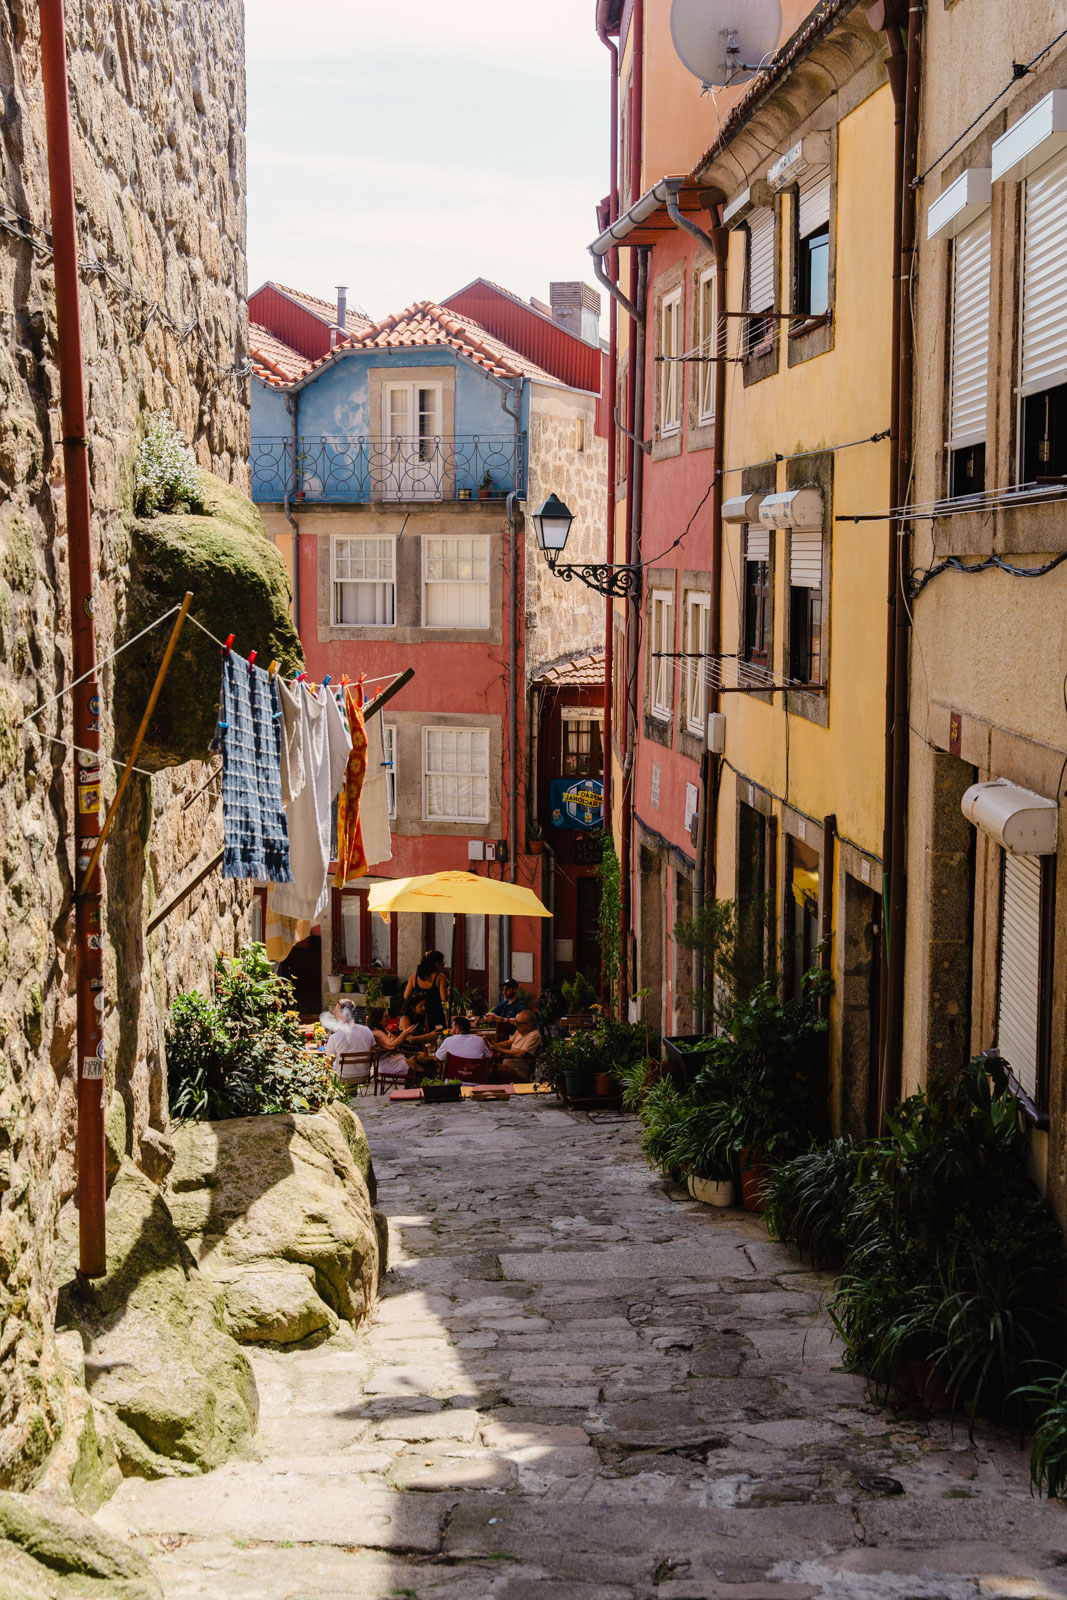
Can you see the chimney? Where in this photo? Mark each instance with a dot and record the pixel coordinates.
(576, 307)
(342, 310)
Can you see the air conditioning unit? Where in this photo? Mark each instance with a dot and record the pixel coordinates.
(811, 151)
(740, 206)
(741, 508)
(1021, 821)
(794, 509)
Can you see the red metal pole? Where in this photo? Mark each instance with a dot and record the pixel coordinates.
(88, 930)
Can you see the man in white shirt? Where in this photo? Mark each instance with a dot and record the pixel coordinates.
(350, 1038)
(517, 1056)
(462, 1042)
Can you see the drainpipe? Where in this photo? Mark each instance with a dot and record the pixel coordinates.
(515, 522)
(609, 398)
(88, 920)
(904, 77)
(635, 487)
(711, 767)
(292, 405)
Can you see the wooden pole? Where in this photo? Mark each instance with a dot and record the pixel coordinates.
(135, 748)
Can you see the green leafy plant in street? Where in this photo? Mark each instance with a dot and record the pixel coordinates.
(579, 995)
(166, 476)
(609, 916)
(242, 1053)
(807, 1199)
(1046, 1398)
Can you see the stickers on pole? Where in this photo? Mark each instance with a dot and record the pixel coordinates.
(88, 798)
(93, 1067)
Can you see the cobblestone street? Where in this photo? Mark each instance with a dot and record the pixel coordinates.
(578, 1387)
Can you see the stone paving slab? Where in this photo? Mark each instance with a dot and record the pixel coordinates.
(579, 1386)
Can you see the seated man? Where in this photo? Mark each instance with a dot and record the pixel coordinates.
(465, 1044)
(506, 1009)
(349, 1037)
(518, 1056)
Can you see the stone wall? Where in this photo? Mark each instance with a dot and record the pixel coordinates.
(158, 125)
(568, 459)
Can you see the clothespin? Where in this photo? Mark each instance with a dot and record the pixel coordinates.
(301, 677)
(325, 680)
(251, 659)
(226, 646)
(345, 679)
(272, 669)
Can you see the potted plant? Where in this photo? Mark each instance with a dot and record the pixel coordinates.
(333, 983)
(688, 1054)
(535, 840)
(348, 983)
(464, 494)
(374, 990)
(437, 1090)
(486, 487)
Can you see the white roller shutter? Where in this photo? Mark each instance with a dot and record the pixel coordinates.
(813, 201)
(757, 542)
(1020, 968)
(805, 558)
(1044, 309)
(761, 260)
(970, 334)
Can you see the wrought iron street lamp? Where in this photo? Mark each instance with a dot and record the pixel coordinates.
(552, 524)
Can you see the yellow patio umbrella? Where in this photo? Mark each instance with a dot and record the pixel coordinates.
(461, 893)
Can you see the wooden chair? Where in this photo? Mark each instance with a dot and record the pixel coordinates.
(466, 1070)
(359, 1068)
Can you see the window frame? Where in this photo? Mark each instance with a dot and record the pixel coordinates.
(661, 662)
(1036, 1106)
(429, 728)
(366, 929)
(1052, 392)
(760, 322)
(483, 540)
(706, 337)
(756, 597)
(390, 737)
(671, 367)
(697, 601)
(336, 539)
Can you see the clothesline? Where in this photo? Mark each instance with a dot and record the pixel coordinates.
(93, 670)
(98, 755)
(225, 645)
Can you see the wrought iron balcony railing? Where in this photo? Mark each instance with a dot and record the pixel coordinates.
(461, 467)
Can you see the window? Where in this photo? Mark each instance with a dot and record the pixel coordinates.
(759, 284)
(654, 787)
(661, 640)
(620, 420)
(412, 416)
(801, 915)
(813, 244)
(805, 605)
(1043, 336)
(582, 750)
(969, 357)
(697, 639)
(360, 938)
(364, 583)
(389, 762)
(707, 332)
(455, 587)
(757, 595)
(1024, 970)
(670, 350)
(455, 765)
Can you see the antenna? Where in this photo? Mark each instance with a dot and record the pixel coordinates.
(725, 42)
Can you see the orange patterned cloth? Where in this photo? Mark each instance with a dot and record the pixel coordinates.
(351, 856)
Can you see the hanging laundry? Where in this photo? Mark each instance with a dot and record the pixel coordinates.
(249, 738)
(292, 741)
(374, 802)
(281, 933)
(327, 743)
(351, 859)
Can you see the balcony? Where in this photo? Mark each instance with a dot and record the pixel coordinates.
(458, 468)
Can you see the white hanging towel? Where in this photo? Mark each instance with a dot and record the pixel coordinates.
(292, 751)
(374, 800)
(327, 743)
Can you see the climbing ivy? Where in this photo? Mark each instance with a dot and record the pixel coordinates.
(610, 914)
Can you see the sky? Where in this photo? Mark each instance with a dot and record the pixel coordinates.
(404, 147)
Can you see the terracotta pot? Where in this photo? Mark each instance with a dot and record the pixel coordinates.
(484, 494)
(712, 1191)
(535, 847)
(755, 1170)
(916, 1380)
(603, 1083)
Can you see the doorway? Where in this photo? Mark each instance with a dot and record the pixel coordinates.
(303, 967)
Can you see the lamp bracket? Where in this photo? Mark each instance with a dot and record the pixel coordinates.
(622, 581)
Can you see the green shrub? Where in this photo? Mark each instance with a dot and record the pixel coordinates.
(1047, 1399)
(166, 476)
(953, 1257)
(243, 1054)
(579, 995)
(807, 1199)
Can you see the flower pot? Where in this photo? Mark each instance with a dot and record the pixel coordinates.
(435, 1093)
(579, 1085)
(535, 847)
(603, 1083)
(333, 983)
(298, 496)
(712, 1191)
(348, 985)
(463, 494)
(755, 1170)
(484, 494)
(686, 1065)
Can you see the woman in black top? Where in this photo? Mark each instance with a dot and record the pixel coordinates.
(429, 984)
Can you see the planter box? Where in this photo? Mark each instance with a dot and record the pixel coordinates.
(712, 1192)
(755, 1170)
(686, 1065)
(435, 1093)
(579, 1085)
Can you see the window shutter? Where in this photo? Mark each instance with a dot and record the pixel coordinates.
(1020, 968)
(1044, 314)
(970, 334)
(757, 542)
(761, 260)
(805, 558)
(813, 201)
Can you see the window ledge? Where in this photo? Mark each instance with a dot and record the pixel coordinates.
(1029, 1108)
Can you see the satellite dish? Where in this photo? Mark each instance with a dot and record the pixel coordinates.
(724, 42)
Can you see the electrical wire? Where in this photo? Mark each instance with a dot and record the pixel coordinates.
(918, 581)
(819, 450)
(1020, 71)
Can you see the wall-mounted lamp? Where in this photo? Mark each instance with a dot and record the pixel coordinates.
(552, 524)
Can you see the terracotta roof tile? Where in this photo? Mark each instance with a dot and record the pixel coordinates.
(425, 323)
(274, 361)
(355, 321)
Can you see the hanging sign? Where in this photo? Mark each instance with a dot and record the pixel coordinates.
(577, 803)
